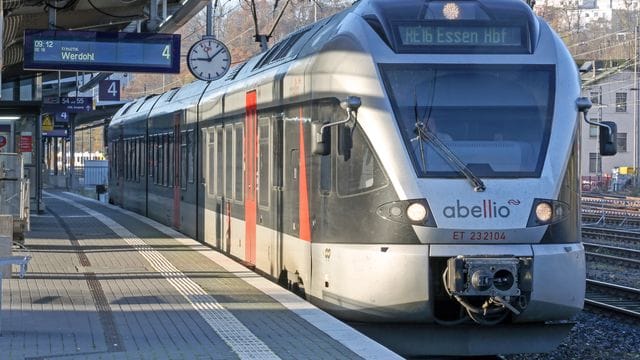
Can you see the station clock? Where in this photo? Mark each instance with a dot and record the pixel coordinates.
(208, 59)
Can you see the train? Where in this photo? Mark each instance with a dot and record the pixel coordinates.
(409, 166)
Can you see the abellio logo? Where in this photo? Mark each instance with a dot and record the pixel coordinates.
(489, 209)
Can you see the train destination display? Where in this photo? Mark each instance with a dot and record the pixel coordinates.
(459, 36)
(101, 51)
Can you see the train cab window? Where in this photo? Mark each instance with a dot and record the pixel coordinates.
(327, 110)
(239, 129)
(495, 119)
(359, 171)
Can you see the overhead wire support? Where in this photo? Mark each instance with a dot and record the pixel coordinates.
(262, 38)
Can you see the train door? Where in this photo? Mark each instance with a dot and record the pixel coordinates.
(216, 211)
(277, 193)
(251, 156)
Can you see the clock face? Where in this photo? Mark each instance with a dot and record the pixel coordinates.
(208, 59)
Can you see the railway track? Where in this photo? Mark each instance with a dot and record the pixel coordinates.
(613, 254)
(617, 236)
(616, 298)
(619, 220)
(620, 203)
(599, 216)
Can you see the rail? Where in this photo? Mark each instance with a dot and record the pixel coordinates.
(615, 298)
(613, 254)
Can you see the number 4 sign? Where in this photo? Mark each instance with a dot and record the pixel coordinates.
(109, 90)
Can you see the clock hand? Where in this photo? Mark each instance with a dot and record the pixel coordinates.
(215, 54)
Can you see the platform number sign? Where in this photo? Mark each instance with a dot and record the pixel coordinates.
(109, 90)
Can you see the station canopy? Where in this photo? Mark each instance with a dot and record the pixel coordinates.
(87, 15)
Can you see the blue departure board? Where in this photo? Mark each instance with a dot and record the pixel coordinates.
(101, 51)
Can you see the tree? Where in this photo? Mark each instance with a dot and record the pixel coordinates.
(234, 25)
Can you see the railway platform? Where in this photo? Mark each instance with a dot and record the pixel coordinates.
(104, 283)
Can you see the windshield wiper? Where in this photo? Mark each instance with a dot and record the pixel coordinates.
(448, 155)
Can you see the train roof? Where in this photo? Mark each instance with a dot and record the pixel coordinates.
(381, 15)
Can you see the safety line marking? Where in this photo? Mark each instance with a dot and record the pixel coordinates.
(336, 329)
(240, 339)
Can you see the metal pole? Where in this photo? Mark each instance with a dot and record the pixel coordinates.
(209, 19)
(39, 164)
(636, 138)
(1, 44)
(72, 150)
(164, 10)
(598, 157)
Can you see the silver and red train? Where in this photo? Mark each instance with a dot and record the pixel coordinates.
(410, 166)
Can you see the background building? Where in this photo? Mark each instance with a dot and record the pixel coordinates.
(613, 98)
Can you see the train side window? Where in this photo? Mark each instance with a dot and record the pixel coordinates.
(161, 159)
(263, 162)
(238, 162)
(183, 160)
(150, 155)
(325, 174)
(278, 155)
(129, 150)
(171, 159)
(143, 151)
(127, 161)
(134, 156)
(125, 148)
(191, 157)
(228, 141)
(154, 159)
(211, 147)
(121, 155)
(219, 162)
(134, 159)
(359, 172)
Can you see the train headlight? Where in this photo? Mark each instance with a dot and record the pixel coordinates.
(416, 212)
(544, 212)
(413, 211)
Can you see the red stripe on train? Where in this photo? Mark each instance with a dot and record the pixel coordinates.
(305, 227)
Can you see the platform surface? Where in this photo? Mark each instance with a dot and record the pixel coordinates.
(104, 283)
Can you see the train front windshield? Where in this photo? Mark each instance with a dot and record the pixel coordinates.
(493, 119)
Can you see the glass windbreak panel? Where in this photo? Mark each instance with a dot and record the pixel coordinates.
(495, 119)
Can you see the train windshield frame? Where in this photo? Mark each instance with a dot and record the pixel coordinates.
(495, 119)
